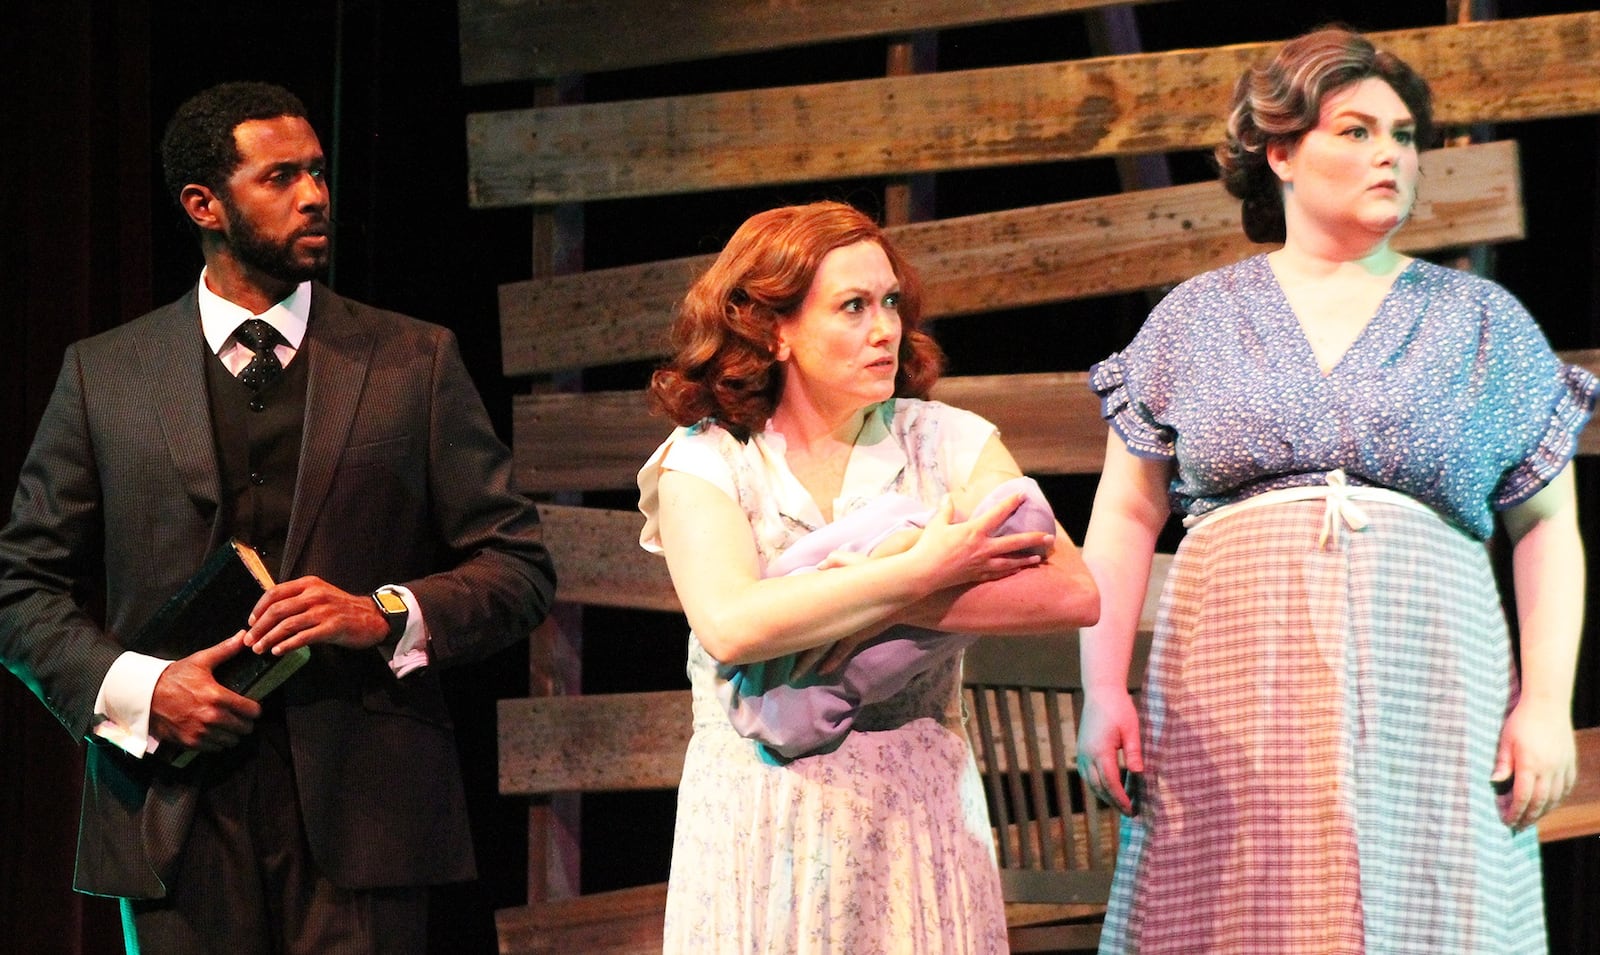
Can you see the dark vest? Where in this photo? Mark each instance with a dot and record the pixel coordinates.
(258, 454)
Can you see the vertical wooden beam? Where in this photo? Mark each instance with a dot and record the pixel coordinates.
(910, 198)
(1470, 11)
(555, 658)
(1477, 259)
(1594, 334)
(1113, 31)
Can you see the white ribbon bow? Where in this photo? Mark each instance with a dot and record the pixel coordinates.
(1341, 504)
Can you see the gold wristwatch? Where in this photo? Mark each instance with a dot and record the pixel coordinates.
(393, 607)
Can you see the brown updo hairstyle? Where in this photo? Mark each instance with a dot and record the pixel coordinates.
(1281, 101)
(725, 335)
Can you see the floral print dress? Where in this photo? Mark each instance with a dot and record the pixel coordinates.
(881, 846)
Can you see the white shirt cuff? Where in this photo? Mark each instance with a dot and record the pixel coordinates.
(122, 708)
(411, 652)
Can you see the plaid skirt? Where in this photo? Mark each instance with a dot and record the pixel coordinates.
(1320, 723)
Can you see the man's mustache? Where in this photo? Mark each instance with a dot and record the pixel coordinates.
(324, 226)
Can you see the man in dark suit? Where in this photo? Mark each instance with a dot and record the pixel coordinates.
(348, 445)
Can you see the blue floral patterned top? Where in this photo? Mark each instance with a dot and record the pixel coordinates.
(1451, 394)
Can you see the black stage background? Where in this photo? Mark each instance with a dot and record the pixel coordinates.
(89, 241)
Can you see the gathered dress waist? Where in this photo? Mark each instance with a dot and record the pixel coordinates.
(1341, 497)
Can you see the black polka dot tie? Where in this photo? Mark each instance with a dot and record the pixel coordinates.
(260, 338)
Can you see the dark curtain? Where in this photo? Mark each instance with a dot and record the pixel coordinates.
(90, 241)
(73, 197)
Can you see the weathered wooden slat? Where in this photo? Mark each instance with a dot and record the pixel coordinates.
(973, 264)
(620, 741)
(1050, 420)
(619, 427)
(1018, 404)
(621, 922)
(601, 562)
(599, 440)
(1495, 71)
(509, 40)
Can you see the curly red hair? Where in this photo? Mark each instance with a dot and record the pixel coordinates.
(724, 337)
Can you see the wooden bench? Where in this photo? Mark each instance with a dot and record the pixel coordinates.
(1055, 843)
(621, 922)
(637, 740)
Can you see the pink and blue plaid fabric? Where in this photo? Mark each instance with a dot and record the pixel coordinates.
(1320, 725)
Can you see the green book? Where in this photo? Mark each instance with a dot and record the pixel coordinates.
(212, 606)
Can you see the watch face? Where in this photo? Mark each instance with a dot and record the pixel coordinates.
(389, 602)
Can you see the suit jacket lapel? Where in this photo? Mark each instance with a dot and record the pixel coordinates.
(172, 359)
(338, 349)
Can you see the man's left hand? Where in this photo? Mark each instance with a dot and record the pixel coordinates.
(310, 610)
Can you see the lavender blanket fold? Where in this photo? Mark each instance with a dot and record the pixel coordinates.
(791, 715)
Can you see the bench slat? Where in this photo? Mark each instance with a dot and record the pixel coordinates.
(621, 922)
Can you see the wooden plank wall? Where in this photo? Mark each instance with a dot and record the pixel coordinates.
(507, 40)
(1007, 259)
(705, 157)
(1121, 105)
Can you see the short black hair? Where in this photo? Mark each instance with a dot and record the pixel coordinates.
(199, 147)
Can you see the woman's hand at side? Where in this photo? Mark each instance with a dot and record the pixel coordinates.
(1130, 509)
(1109, 726)
(1537, 753)
(1538, 758)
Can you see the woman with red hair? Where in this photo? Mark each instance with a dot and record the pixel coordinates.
(799, 383)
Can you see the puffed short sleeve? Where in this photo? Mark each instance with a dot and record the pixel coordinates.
(1128, 417)
(1136, 385)
(1571, 399)
(695, 450)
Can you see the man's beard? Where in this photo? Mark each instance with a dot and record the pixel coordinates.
(274, 258)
